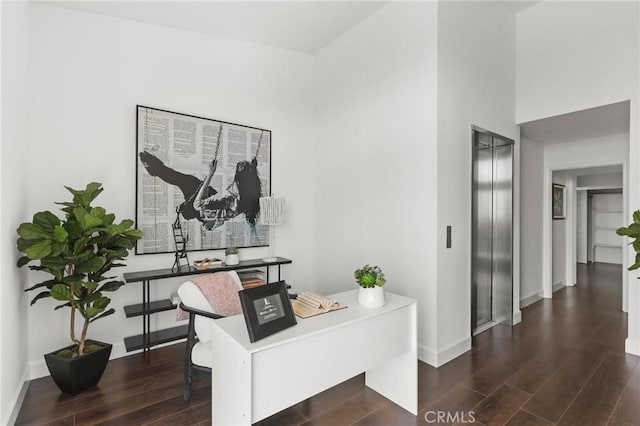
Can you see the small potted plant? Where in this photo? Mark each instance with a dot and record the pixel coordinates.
(371, 279)
(231, 256)
(77, 252)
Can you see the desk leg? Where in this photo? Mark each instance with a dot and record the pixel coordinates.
(231, 376)
(397, 379)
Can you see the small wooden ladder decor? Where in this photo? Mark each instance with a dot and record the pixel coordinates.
(181, 261)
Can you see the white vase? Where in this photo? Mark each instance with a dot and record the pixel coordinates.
(371, 297)
(231, 259)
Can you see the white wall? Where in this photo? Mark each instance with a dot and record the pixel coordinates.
(531, 178)
(559, 243)
(375, 159)
(14, 169)
(82, 127)
(575, 55)
(607, 150)
(601, 181)
(476, 86)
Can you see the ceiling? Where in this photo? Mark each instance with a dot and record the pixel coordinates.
(586, 124)
(302, 26)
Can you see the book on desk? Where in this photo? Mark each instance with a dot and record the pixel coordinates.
(309, 304)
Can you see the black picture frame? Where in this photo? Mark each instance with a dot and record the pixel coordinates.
(269, 300)
(174, 153)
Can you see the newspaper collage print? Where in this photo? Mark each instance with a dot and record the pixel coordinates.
(209, 174)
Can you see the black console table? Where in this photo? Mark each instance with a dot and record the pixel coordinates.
(150, 338)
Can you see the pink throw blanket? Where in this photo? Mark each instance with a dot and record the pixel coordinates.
(221, 291)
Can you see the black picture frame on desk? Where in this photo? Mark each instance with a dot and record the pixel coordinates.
(267, 310)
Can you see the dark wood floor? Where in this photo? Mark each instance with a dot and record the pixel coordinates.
(564, 364)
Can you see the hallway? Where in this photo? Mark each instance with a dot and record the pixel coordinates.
(564, 364)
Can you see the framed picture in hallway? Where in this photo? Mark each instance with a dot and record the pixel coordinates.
(558, 202)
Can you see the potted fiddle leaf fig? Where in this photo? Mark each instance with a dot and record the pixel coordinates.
(633, 231)
(77, 251)
(371, 279)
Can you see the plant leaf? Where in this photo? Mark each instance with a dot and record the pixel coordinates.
(75, 278)
(91, 265)
(91, 286)
(62, 306)
(60, 292)
(59, 234)
(39, 250)
(101, 302)
(40, 296)
(31, 231)
(74, 229)
(105, 314)
(89, 222)
(47, 283)
(23, 261)
(52, 262)
(111, 286)
(92, 312)
(23, 244)
(46, 220)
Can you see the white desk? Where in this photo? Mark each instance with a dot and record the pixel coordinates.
(251, 381)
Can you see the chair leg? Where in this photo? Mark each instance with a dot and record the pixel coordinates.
(187, 358)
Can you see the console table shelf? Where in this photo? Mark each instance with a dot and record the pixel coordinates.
(156, 338)
(145, 309)
(131, 311)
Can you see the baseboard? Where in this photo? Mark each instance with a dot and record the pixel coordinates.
(454, 351)
(18, 399)
(529, 300)
(632, 347)
(427, 355)
(517, 318)
(559, 285)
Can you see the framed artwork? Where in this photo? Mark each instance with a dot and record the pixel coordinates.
(267, 310)
(558, 202)
(202, 176)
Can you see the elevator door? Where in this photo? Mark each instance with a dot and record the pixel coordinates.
(492, 232)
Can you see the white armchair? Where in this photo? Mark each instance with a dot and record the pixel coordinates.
(199, 348)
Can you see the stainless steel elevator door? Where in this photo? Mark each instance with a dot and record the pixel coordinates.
(483, 184)
(492, 233)
(502, 234)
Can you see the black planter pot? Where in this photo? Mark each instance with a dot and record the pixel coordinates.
(74, 375)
